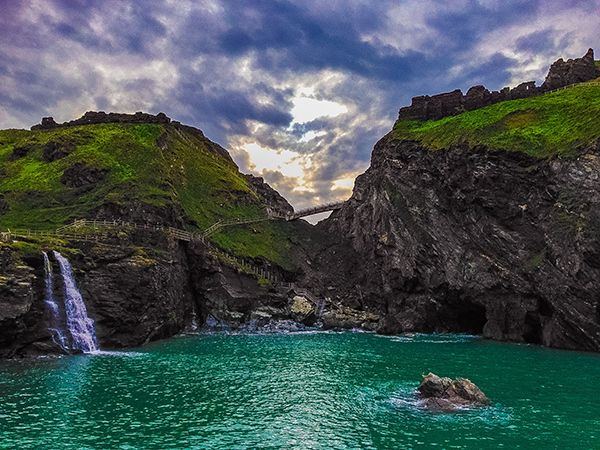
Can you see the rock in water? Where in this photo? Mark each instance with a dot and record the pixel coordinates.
(434, 386)
(445, 393)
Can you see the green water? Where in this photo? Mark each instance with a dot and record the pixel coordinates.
(299, 391)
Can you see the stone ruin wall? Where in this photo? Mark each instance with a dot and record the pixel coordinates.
(562, 73)
(93, 117)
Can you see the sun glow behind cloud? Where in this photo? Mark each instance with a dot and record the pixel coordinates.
(297, 167)
(288, 163)
(307, 109)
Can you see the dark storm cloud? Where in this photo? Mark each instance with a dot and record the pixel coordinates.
(536, 42)
(494, 72)
(234, 68)
(287, 37)
(127, 27)
(235, 106)
(461, 29)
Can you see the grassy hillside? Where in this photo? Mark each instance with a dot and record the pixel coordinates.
(172, 175)
(550, 125)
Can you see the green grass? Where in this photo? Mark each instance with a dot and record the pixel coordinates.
(550, 125)
(207, 186)
(178, 172)
(269, 239)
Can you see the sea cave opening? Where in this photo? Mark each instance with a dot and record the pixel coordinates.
(471, 318)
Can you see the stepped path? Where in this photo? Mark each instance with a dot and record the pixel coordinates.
(318, 303)
(71, 230)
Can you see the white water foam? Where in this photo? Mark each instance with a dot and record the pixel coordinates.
(79, 324)
(53, 313)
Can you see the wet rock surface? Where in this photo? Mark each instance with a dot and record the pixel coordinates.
(21, 306)
(443, 393)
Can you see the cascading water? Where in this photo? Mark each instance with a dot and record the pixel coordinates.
(53, 313)
(79, 324)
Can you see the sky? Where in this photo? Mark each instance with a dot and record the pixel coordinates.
(299, 91)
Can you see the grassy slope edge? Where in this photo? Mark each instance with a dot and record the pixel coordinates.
(554, 124)
(156, 167)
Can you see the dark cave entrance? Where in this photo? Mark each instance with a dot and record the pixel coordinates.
(534, 322)
(471, 318)
(533, 328)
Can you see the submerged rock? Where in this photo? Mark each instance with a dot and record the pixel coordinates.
(445, 393)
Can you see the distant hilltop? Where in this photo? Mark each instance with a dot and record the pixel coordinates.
(562, 73)
(93, 117)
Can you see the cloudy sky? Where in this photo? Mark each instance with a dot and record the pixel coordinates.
(299, 91)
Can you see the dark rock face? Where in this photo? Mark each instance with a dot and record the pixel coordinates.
(452, 103)
(80, 175)
(272, 198)
(54, 150)
(21, 152)
(445, 393)
(230, 298)
(572, 71)
(135, 297)
(21, 308)
(475, 241)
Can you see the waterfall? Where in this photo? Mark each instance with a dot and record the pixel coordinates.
(52, 311)
(79, 324)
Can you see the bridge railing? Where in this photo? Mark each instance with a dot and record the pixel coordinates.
(315, 210)
(239, 221)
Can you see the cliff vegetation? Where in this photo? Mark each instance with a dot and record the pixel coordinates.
(160, 174)
(554, 124)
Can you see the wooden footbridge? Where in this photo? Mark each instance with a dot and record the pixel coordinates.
(307, 211)
(314, 210)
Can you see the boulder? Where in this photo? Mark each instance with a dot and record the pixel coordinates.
(80, 175)
(434, 386)
(21, 151)
(445, 393)
(55, 150)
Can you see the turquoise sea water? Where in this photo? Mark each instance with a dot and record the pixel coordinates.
(299, 391)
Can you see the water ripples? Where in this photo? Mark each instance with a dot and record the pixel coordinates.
(302, 390)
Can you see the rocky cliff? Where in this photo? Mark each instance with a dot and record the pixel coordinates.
(140, 174)
(482, 238)
(485, 222)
